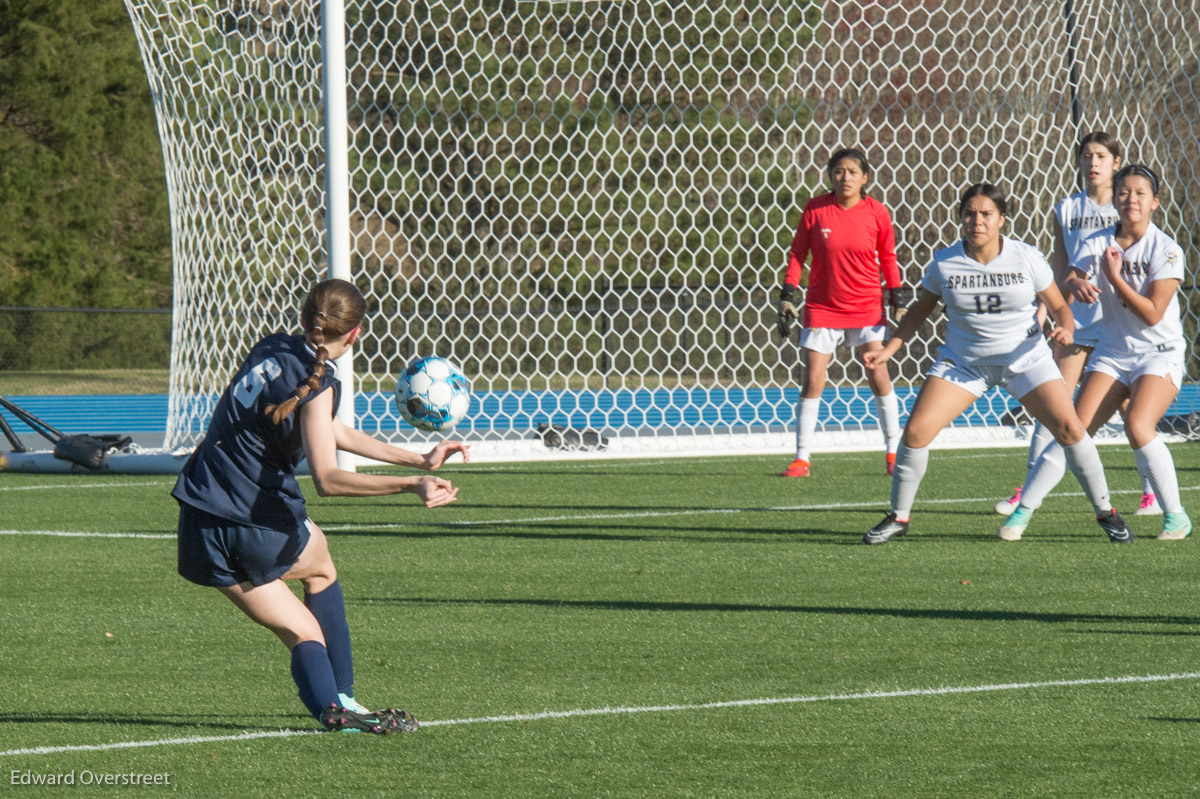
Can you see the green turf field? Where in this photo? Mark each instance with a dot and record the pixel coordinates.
(658, 628)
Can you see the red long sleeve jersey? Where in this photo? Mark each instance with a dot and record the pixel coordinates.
(849, 248)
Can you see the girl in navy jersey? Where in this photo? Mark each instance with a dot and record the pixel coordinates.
(990, 285)
(1075, 218)
(851, 239)
(243, 527)
(1140, 355)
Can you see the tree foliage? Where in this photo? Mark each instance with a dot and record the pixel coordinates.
(83, 205)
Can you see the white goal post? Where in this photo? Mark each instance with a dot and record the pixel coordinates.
(587, 204)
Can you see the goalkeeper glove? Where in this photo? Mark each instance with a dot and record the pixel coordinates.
(787, 310)
(899, 297)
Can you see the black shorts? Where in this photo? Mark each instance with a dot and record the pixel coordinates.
(220, 553)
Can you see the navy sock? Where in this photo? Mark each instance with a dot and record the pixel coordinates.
(314, 677)
(329, 608)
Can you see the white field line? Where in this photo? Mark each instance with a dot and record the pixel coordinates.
(613, 711)
(61, 486)
(575, 517)
(85, 534)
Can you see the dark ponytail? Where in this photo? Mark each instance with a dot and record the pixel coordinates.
(332, 309)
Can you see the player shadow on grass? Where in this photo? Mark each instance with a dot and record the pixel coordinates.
(722, 607)
(183, 720)
(974, 527)
(607, 531)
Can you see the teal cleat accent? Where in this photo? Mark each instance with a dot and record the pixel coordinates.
(350, 703)
(1176, 526)
(1014, 527)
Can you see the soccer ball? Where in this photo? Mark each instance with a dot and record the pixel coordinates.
(432, 394)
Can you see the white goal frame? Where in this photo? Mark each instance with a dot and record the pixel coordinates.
(587, 203)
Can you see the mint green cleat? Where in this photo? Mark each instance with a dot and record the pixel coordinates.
(1176, 526)
(350, 703)
(1018, 520)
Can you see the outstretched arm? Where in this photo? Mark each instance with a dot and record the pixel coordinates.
(319, 435)
(350, 439)
(912, 321)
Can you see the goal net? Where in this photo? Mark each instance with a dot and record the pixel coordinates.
(587, 204)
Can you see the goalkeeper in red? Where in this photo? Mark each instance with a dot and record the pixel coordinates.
(850, 238)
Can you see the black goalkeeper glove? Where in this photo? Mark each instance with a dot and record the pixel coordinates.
(898, 299)
(787, 310)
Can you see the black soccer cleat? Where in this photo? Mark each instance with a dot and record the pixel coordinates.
(380, 722)
(886, 530)
(1112, 524)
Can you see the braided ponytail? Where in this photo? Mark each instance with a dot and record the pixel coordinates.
(332, 309)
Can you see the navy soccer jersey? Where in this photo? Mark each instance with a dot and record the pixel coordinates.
(243, 470)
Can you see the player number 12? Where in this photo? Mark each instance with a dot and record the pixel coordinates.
(993, 303)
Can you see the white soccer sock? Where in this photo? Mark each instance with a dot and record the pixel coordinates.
(1041, 438)
(888, 409)
(906, 479)
(1155, 460)
(807, 412)
(1044, 476)
(1084, 462)
(1147, 486)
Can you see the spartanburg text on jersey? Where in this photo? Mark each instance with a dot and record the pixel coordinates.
(990, 308)
(1155, 256)
(243, 470)
(1080, 217)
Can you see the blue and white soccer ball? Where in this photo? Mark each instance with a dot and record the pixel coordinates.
(433, 394)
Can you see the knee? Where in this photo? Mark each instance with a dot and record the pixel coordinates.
(1140, 432)
(916, 436)
(1069, 432)
(321, 577)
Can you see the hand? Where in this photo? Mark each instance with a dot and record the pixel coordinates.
(1062, 336)
(435, 492)
(787, 315)
(438, 455)
(898, 299)
(1111, 264)
(1082, 290)
(874, 358)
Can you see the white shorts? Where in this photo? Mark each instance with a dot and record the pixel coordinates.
(1018, 378)
(827, 339)
(1088, 336)
(1127, 367)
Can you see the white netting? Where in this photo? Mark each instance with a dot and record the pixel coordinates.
(588, 204)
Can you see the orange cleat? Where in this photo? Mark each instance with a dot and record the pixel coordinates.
(797, 468)
(890, 459)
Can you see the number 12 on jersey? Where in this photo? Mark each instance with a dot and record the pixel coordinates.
(992, 306)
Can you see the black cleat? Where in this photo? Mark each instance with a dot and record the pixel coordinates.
(886, 530)
(380, 722)
(1112, 524)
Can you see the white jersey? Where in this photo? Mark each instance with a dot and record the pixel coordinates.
(991, 308)
(1155, 256)
(1080, 217)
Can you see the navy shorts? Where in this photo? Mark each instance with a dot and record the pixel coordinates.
(220, 553)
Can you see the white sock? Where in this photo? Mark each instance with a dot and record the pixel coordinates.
(888, 409)
(1084, 462)
(906, 479)
(1155, 460)
(1038, 442)
(1044, 476)
(1147, 486)
(807, 412)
